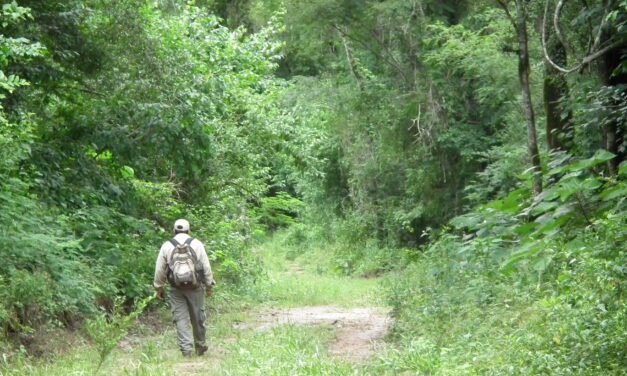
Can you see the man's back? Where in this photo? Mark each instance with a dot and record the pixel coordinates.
(190, 270)
(165, 256)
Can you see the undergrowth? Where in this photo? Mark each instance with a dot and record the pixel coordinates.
(460, 315)
(520, 286)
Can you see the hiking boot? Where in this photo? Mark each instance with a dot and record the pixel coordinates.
(187, 354)
(201, 350)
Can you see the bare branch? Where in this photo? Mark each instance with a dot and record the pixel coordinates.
(590, 29)
(503, 5)
(556, 23)
(388, 57)
(599, 53)
(597, 39)
(586, 59)
(543, 40)
(349, 57)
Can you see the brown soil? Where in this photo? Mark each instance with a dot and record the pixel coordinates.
(359, 331)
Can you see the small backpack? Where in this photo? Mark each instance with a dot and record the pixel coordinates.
(182, 265)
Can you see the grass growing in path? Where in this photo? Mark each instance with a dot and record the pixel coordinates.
(301, 279)
(151, 349)
(286, 350)
(297, 279)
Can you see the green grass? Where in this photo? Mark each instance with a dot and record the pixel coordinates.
(294, 279)
(144, 352)
(298, 278)
(293, 291)
(286, 350)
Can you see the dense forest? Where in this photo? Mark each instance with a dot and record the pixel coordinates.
(470, 153)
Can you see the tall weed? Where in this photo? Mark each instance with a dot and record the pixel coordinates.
(106, 330)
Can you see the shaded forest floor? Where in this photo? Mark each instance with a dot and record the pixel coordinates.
(299, 321)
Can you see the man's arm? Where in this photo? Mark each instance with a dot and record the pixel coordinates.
(160, 270)
(206, 267)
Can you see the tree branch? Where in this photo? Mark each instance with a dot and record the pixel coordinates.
(390, 61)
(590, 29)
(556, 23)
(503, 5)
(349, 57)
(586, 59)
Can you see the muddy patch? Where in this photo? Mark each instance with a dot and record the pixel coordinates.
(359, 331)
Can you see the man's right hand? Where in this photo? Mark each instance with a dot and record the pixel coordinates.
(209, 291)
(160, 293)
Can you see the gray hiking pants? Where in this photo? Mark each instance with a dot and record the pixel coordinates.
(188, 307)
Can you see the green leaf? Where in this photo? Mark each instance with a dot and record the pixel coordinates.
(525, 229)
(466, 221)
(544, 219)
(542, 264)
(614, 192)
(550, 225)
(547, 195)
(512, 203)
(591, 183)
(563, 210)
(543, 207)
(127, 172)
(569, 187)
(601, 156)
(526, 252)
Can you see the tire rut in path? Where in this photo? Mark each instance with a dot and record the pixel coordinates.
(359, 331)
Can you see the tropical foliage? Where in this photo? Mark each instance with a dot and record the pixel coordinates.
(471, 151)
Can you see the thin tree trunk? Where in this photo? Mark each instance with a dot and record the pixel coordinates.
(614, 130)
(559, 126)
(523, 74)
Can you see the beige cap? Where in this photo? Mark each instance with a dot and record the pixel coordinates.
(181, 225)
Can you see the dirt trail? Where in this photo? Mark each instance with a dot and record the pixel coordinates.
(359, 331)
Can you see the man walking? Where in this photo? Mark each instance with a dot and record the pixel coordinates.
(183, 262)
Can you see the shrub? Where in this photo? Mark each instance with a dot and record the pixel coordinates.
(510, 296)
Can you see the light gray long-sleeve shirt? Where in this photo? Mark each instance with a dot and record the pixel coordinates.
(161, 268)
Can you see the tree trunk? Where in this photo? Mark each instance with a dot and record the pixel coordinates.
(523, 75)
(614, 130)
(559, 126)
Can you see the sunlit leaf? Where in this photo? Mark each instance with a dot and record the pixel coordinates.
(601, 156)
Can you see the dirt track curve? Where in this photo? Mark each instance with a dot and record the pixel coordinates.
(359, 331)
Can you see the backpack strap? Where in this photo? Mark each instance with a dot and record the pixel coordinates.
(189, 243)
(197, 265)
(175, 243)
